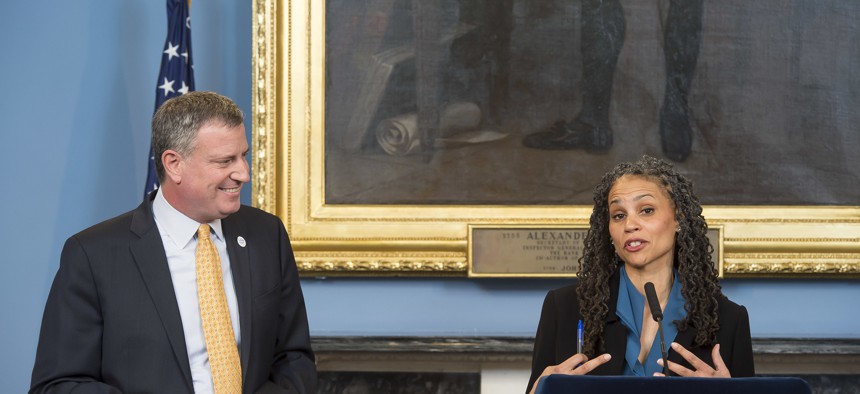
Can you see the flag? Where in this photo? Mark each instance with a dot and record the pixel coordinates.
(177, 70)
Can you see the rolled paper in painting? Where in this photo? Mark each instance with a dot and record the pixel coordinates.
(458, 122)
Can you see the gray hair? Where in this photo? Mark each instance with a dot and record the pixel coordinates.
(176, 123)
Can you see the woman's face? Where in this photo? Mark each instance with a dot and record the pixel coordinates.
(642, 223)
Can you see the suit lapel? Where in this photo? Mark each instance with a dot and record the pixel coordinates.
(616, 345)
(151, 260)
(241, 268)
(615, 337)
(684, 338)
(614, 334)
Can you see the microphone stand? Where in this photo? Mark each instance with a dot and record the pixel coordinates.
(662, 345)
(657, 314)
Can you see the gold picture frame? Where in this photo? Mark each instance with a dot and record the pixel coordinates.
(432, 240)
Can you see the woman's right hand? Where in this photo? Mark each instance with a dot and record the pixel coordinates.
(578, 364)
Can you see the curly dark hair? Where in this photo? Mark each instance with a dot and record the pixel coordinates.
(692, 256)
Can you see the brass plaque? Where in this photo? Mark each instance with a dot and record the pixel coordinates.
(539, 251)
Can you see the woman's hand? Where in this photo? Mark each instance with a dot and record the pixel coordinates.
(701, 368)
(578, 364)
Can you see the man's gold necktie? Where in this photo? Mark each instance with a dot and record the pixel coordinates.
(215, 315)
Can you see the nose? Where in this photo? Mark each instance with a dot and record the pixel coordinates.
(631, 225)
(241, 174)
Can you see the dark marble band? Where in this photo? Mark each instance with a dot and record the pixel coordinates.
(523, 345)
(453, 364)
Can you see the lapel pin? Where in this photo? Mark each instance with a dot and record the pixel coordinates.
(241, 241)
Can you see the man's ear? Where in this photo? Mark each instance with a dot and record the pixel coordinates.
(172, 162)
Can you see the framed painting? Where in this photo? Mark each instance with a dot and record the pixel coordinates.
(384, 130)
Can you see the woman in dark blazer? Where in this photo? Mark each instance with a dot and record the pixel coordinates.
(646, 226)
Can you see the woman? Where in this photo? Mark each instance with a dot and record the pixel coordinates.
(646, 226)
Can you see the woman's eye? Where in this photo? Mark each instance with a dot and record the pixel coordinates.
(618, 216)
(648, 210)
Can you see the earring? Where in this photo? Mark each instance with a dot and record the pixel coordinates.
(678, 229)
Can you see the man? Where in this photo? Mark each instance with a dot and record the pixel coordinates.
(131, 308)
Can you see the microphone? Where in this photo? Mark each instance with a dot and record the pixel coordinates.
(657, 314)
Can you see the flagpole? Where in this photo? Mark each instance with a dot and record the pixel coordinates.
(176, 74)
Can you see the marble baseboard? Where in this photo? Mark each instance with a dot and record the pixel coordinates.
(340, 382)
(357, 365)
(830, 384)
(772, 356)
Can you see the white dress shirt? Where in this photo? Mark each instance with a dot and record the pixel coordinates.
(179, 236)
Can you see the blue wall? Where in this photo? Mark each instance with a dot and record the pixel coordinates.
(78, 84)
(777, 308)
(78, 88)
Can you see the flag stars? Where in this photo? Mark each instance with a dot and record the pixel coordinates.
(183, 89)
(177, 77)
(171, 51)
(167, 86)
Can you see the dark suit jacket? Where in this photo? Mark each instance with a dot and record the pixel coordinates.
(112, 323)
(555, 340)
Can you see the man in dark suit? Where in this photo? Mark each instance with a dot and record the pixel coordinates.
(125, 313)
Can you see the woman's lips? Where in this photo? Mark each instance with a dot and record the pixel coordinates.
(634, 245)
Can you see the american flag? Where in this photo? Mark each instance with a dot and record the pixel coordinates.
(177, 69)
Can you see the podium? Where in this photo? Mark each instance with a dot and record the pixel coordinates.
(569, 384)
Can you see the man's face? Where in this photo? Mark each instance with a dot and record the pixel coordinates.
(211, 176)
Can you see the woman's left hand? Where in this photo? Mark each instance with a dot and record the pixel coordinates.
(700, 368)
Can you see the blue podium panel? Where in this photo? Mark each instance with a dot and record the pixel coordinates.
(567, 384)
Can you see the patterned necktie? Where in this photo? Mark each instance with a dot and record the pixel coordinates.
(215, 315)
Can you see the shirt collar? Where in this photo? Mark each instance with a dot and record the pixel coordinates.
(179, 228)
(674, 309)
(630, 308)
(631, 304)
